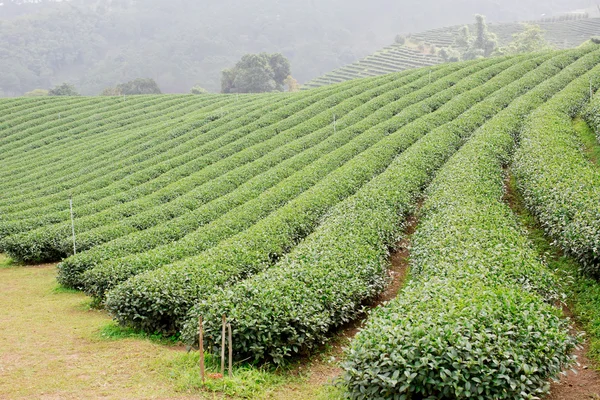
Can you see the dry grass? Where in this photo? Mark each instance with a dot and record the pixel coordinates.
(52, 347)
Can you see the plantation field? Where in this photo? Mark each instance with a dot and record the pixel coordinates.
(561, 34)
(281, 210)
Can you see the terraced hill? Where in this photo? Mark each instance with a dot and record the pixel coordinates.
(420, 51)
(280, 211)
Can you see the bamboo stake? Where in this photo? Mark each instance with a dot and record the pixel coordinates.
(223, 346)
(201, 342)
(230, 351)
(72, 224)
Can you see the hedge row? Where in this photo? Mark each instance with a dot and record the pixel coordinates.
(326, 280)
(560, 186)
(158, 300)
(475, 321)
(352, 125)
(154, 182)
(98, 137)
(227, 174)
(388, 119)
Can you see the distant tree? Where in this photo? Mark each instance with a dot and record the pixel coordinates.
(139, 86)
(65, 89)
(198, 90)
(36, 93)
(449, 54)
(400, 39)
(256, 73)
(531, 39)
(111, 91)
(482, 44)
(292, 84)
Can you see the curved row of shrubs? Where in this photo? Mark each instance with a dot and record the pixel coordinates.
(249, 202)
(152, 187)
(158, 300)
(71, 132)
(178, 217)
(560, 185)
(111, 133)
(476, 320)
(327, 279)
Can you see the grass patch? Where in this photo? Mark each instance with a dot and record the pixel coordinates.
(583, 293)
(60, 289)
(113, 331)
(588, 138)
(247, 382)
(7, 262)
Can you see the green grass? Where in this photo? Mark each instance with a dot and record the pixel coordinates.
(588, 138)
(583, 293)
(6, 262)
(113, 331)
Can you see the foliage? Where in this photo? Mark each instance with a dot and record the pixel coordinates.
(400, 39)
(481, 44)
(111, 91)
(198, 90)
(530, 40)
(480, 297)
(292, 84)
(65, 89)
(36, 93)
(272, 322)
(449, 54)
(136, 86)
(560, 185)
(159, 299)
(256, 73)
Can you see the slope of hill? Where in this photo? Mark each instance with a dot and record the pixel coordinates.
(279, 210)
(422, 47)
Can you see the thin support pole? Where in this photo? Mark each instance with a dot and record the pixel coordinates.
(223, 346)
(72, 224)
(230, 351)
(201, 346)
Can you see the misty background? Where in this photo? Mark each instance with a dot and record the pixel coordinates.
(95, 44)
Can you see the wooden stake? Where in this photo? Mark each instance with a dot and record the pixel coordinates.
(230, 351)
(201, 345)
(223, 346)
(72, 224)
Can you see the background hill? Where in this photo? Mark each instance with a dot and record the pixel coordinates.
(420, 49)
(95, 44)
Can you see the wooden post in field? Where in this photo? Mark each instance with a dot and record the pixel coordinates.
(72, 224)
(430, 77)
(223, 346)
(201, 346)
(230, 351)
(591, 90)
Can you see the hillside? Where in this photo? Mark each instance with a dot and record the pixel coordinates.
(95, 44)
(561, 34)
(280, 210)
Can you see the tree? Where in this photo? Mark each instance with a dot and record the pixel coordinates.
(482, 44)
(197, 89)
(36, 93)
(531, 39)
(139, 86)
(111, 91)
(65, 89)
(449, 54)
(256, 73)
(292, 84)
